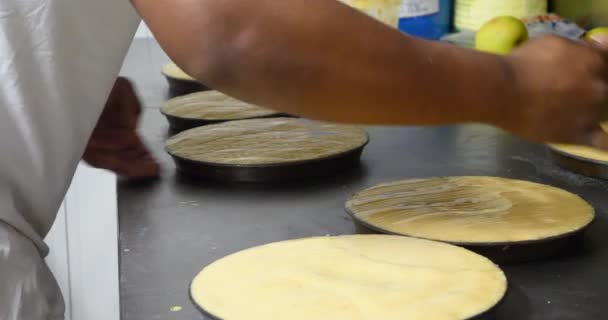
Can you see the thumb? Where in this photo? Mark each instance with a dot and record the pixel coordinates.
(599, 138)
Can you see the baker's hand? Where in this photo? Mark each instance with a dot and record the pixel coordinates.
(563, 87)
(115, 144)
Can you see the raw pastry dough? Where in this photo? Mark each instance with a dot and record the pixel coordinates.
(213, 105)
(471, 210)
(583, 151)
(362, 277)
(270, 141)
(171, 70)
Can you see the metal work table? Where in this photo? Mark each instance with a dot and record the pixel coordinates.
(170, 229)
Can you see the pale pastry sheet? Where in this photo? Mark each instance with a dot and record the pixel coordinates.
(472, 210)
(173, 71)
(271, 141)
(584, 151)
(213, 105)
(360, 277)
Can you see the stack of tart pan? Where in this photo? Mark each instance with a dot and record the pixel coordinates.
(223, 138)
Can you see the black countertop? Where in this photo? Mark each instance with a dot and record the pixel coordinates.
(172, 228)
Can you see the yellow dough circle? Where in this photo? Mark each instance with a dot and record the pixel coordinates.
(588, 153)
(471, 210)
(272, 141)
(585, 152)
(171, 70)
(360, 277)
(213, 105)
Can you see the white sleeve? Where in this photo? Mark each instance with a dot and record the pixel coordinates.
(58, 62)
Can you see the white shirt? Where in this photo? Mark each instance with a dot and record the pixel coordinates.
(58, 62)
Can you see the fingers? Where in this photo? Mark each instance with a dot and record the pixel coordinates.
(604, 115)
(600, 42)
(598, 138)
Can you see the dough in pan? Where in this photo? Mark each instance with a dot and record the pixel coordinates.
(584, 151)
(171, 70)
(213, 106)
(359, 277)
(471, 210)
(272, 141)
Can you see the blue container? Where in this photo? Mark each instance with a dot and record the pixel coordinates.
(428, 19)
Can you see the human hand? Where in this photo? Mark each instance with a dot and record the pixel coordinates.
(563, 91)
(115, 144)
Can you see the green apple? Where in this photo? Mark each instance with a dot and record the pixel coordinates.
(602, 31)
(501, 35)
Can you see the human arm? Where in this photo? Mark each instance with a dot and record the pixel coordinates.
(324, 60)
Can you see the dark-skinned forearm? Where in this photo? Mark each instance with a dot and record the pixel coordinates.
(324, 60)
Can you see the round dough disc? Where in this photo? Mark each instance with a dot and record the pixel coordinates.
(587, 153)
(272, 141)
(471, 210)
(213, 106)
(171, 70)
(358, 277)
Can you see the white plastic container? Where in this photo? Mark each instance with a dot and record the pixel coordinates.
(386, 11)
(472, 14)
